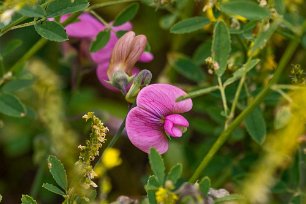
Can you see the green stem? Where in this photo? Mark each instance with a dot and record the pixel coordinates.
(99, 18)
(25, 24)
(109, 3)
(197, 93)
(117, 135)
(226, 133)
(237, 94)
(223, 96)
(2, 69)
(38, 179)
(37, 46)
(302, 170)
(8, 27)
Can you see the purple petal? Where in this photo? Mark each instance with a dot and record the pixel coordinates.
(175, 124)
(146, 57)
(86, 27)
(145, 131)
(126, 26)
(103, 78)
(160, 99)
(177, 119)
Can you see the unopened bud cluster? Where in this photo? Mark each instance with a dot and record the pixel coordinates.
(212, 65)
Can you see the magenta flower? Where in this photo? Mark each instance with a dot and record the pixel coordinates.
(86, 29)
(157, 117)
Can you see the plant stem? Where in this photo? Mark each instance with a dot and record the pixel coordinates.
(109, 3)
(223, 96)
(196, 93)
(99, 18)
(226, 133)
(37, 46)
(38, 179)
(117, 135)
(8, 27)
(25, 25)
(237, 94)
(302, 170)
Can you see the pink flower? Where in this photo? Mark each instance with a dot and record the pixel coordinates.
(87, 28)
(156, 116)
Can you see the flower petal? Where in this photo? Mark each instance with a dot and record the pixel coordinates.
(175, 124)
(145, 131)
(146, 57)
(103, 78)
(86, 27)
(177, 119)
(124, 27)
(160, 99)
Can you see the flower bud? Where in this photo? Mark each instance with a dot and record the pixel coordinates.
(120, 80)
(142, 79)
(126, 53)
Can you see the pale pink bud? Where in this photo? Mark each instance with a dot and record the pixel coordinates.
(126, 53)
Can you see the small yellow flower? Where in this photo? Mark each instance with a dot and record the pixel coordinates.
(165, 196)
(111, 158)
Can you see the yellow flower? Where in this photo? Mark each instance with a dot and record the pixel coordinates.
(111, 158)
(165, 196)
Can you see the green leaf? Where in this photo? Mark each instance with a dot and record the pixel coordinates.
(58, 172)
(175, 173)
(262, 38)
(53, 188)
(10, 47)
(151, 197)
(256, 126)
(186, 67)
(16, 85)
(0, 198)
(167, 21)
(205, 185)
(127, 14)
(157, 165)
(202, 52)
(189, 25)
(120, 33)
(239, 73)
(152, 183)
(51, 30)
(61, 7)
(26, 199)
(10, 105)
(151, 187)
(236, 198)
(32, 11)
(247, 9)
(221, 46)
(100, 41)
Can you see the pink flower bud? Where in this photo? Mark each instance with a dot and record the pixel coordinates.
(126, 53)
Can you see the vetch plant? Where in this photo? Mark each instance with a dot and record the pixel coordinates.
(238, 64)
